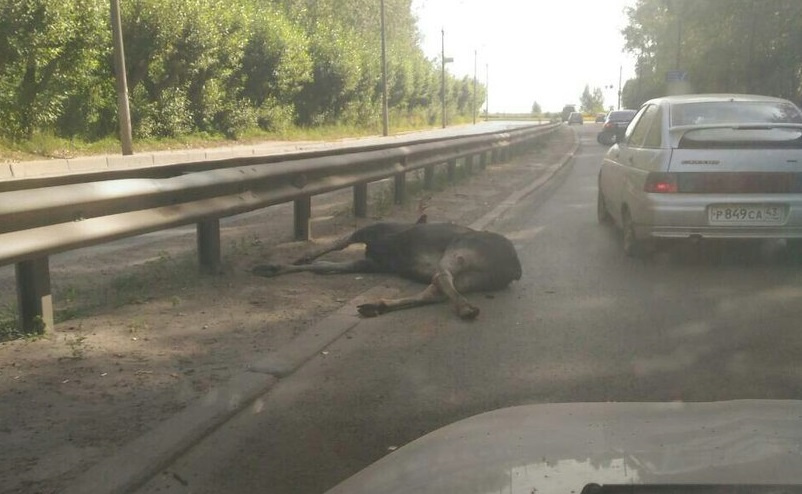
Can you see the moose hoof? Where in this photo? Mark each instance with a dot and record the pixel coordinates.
(266, 270)
(468, 312)
(372, 309)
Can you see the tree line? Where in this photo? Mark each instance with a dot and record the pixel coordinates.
(216, 66)
(732, 46)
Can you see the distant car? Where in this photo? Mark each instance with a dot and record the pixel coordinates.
(615, 123)
(567, 110)
(722, 166)
(575, 118)
(600, 117)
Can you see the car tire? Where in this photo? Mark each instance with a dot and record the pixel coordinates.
(633, 246)
(602, 214)
(605, 139)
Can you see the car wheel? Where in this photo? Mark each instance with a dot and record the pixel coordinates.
(602, 215)
(633, 246)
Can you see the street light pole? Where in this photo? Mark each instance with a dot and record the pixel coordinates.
(487, 92)
(385, 113)
(474, 87)
(443, 73)
(123, 111)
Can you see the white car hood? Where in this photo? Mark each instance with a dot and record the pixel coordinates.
(558, 448)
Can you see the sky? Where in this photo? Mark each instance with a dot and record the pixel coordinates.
(530, 50)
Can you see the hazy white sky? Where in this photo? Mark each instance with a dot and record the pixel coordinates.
(530, 50)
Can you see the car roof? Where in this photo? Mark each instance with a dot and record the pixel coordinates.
(712, 98)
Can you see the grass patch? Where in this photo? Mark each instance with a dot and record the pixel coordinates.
(47, 145)
(9, 330)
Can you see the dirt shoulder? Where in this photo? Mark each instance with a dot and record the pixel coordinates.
(142, 334)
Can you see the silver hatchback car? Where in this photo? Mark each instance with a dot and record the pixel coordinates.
(705, 166)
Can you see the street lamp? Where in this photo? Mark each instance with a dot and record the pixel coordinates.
(385, 115)
(444, 60)
(122, 84)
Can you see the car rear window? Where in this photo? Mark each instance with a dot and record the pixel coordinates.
(725, 112)
(752, 137)
(621, 116)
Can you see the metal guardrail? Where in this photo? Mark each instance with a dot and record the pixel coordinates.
(43, 216)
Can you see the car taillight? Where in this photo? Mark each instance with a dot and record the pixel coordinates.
(609, 125)
(661, 183)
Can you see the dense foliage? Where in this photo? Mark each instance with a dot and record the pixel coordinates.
(737, 46)
(214, 66)
(591, 102)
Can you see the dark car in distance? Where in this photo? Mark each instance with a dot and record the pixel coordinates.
(575, 118)
(614, 126)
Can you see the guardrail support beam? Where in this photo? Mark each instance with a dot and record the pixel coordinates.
(302, 218)
(361, 200)
(428, 177)
(400, 186)
(452, 170)
(208, 233)
(34, 298)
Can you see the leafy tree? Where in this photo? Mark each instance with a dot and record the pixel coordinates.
(215, 66)
(50, 56)
(739, 46)
(536, 110)
(591, 102)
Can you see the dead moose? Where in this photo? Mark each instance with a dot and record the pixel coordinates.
(451, 259)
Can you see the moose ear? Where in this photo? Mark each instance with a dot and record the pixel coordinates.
(422, 219)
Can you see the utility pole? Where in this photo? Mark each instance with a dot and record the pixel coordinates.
(443, 73)
(487, 91)
(385, 115)
(474, 87)
(122, 84)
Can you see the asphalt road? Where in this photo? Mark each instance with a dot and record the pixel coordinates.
(585, 323)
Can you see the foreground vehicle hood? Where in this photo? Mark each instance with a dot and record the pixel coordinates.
(561, 447)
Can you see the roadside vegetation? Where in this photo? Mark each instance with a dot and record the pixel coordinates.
(202, 72)
(731, 46)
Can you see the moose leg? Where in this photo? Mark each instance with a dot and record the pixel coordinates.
(339, 244)
(319, 267)
(430, 295)
(444, 280)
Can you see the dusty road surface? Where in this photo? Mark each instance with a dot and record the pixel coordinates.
(141, 334)
(692, 322)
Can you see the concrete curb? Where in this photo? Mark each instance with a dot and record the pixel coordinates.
(505, 205)
(139, 460)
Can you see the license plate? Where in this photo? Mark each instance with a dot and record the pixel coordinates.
(746, 214)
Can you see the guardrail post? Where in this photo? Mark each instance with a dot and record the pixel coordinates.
(428, 177)
(361, 200)
(303, 218)
(400, 187)
(483, 160)
(469, 165)
(208, 237)
(452, 170)
(34, 300)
